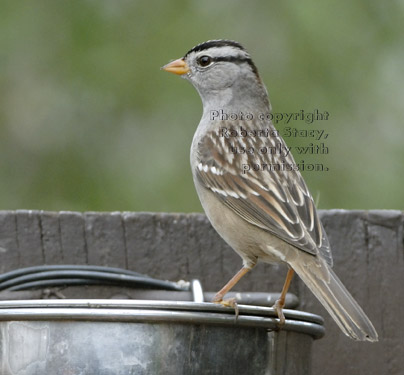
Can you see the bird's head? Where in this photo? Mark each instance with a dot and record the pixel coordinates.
(220, 70)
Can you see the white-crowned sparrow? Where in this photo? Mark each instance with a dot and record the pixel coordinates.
(250, 186)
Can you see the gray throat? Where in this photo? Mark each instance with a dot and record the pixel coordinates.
(252, 98)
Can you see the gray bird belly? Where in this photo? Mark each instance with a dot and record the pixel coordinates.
(250, 242)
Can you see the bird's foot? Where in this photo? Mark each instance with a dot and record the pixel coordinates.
(278, 307)
(230, 302)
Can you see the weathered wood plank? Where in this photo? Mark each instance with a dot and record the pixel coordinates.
(29, 237)
(50, 234)
(72, 238)
(105, 239)
(9, 254)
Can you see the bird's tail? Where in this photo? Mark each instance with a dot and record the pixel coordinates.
(333, 295)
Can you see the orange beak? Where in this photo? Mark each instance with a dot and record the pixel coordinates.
(179, 67)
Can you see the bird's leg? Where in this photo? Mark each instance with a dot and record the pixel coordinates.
(231, 302)
(278, 306)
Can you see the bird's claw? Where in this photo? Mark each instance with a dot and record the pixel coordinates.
(278, 307)
(230, 302)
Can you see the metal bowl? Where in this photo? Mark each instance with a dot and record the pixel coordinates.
(127, 337)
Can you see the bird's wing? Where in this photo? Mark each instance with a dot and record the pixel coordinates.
(256, 177)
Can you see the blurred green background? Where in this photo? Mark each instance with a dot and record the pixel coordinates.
(89, 122)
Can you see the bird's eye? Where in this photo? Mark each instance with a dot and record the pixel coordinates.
(204, 60)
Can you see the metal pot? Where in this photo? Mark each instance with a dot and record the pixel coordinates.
(126, 337)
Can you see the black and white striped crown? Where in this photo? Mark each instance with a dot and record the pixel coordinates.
(240, 57)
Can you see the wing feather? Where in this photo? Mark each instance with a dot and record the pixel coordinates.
(274, 199)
